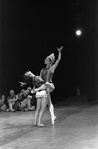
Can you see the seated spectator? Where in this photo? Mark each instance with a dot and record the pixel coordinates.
(2, 103)
(11, 101)
(33, 97)
(24, 100)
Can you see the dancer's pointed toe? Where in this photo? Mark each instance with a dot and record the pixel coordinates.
(53, 119)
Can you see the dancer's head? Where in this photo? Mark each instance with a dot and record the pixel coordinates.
(28, 75)
(49, 60)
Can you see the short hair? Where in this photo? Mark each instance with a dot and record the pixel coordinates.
(12, 91)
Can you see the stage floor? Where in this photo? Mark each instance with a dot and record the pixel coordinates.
(76, 127)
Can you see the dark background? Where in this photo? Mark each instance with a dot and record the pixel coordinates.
(30, 31)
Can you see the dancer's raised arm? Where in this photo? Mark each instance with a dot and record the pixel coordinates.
(53, 67)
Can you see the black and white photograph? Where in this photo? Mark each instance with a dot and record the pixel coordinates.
(49, 74)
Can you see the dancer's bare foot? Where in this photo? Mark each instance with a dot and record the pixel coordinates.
(40, 125)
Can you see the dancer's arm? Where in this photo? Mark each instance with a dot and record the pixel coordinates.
(33, 90)
(22, 84)
(42, 87)
(58, 60)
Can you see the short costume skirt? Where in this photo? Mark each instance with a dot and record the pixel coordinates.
(41, 93)
(50, 86)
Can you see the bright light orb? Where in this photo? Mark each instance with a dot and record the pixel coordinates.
(78, 32)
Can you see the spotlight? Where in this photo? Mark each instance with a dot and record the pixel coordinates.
(78, 32)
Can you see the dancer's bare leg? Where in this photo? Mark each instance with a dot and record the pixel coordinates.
(44, 103)
(51, 109)
(38, 107)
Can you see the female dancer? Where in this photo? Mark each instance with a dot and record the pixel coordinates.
(42, 100)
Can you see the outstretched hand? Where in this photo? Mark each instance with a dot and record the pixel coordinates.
(60, 49)
(33, 91)
(22, 84)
